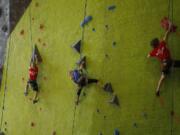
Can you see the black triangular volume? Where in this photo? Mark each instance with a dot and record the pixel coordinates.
(37, 53)
(77, 46)
(108, 87)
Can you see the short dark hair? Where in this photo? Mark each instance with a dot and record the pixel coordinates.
(155, 42)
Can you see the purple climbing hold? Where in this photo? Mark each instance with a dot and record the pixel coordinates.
(86, 20)
(111, 7)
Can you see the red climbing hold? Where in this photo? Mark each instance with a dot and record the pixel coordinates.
(165, 22)
(22, 32)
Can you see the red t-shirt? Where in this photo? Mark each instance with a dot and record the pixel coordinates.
(161, 52)
(33, 72)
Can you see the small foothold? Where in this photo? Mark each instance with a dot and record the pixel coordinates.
(106, 55)
(172, 113)
(54, 133)
(23, 79)
(114, 43)
(98, 111)
(41, 26)
(104, 117)
(40, 109)
(100, 133)
(44, 44)
(22, 32)
(135, 125)
(106, 26)
(84, 94)
(94, 30)
(32, 124)
(37, 4)
(33, 18)
(112, 7)
(145, 115)
(5, 129)
(5, 123)
(39, 40)
(45, 78)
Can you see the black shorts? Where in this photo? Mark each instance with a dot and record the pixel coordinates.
(166, 66)
(34, 85)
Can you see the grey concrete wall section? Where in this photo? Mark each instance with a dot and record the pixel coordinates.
(4, 29)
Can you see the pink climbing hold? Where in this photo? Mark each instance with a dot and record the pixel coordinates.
(165, 22)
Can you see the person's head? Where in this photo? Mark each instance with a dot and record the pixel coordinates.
(155, 42)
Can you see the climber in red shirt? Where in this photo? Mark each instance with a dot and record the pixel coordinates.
(33, 73)
(162, 53)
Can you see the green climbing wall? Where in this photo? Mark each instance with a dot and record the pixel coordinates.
(54, 26)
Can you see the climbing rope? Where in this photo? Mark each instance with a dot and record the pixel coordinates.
(82, 41)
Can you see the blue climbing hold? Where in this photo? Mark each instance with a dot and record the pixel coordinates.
(111, 7)
(86, 20)
(116, 132)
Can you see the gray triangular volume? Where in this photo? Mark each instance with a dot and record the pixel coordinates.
(36, 52)
(114, 100)
(108, 87)
(116, 132)
(77, 46)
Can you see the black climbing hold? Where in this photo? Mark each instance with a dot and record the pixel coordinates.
(5, 28)
(77, 46)
(86, 20)
(100, 133)
(82, 62)
(112, 7)
(114, 100)
(94, 30)
(108, 87)
(116, 132)
(36, 54)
